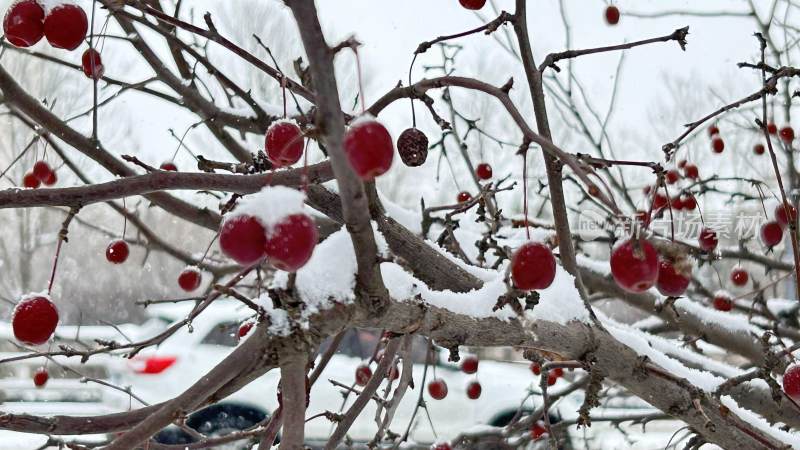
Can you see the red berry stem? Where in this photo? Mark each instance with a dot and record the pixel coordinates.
(284, 79)
(124, 219)
(761, 199)
(180, 141)
(669, 206)
(102, 34)
(55, 265)
(94, 78)
(525, 193)
(283, 92)
(410, 98)
(653, 195)
(21, 154)
(305, 168)
(360, 81)
(208, 248)
(62, 236)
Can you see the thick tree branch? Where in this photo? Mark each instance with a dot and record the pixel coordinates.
(158, 181)
(330, 121)
(293, 392)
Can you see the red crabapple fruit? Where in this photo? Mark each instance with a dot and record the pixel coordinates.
(533, 266)
(284, 143)
(34, 320)
(634, 265)
(65, 26)
(23, 24)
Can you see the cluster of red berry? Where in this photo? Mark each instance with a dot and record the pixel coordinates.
(683, 201)
(483, 172)
(771, 232)
(288, 245)
(364, 372)
(636, 265)
(718, 145)
(64, 26)
(552, 375)
(437, 388)
(41, 173)
(367, 145)
(636, 268)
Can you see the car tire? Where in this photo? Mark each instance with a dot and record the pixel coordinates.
(214, 421)
(506, 417)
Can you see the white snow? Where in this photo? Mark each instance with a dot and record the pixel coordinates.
(560, 302)
(411, 219)
(778, 306)
(328, 275)
(282, 121)
(723, 293)
(760, 423)
(279, 322)
(640, 343)
(647, 322)
(193, 269)
(403, 286)
(658, 349)
(729, 321)
(270, 205)
(11, 440)
(362, 119)
(49, 5)
(595, 265)
(675, 348)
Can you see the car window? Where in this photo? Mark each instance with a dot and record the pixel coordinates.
(223, 334)
(360, 343)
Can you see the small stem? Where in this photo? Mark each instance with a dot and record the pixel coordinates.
(360, 81)
(62, 237)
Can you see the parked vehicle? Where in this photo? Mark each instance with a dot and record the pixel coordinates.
(162, 373)
(70, 388)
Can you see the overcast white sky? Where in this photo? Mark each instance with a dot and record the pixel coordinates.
(391, 30)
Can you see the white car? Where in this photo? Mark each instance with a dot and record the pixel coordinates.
(68, 391)
(182, 359)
